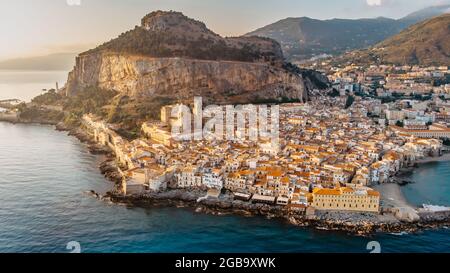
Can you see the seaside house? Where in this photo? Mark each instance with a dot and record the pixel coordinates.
(189, 177)
(213, 179)
(135, 181)
(379, 172)
(240, 181)
(394, 161)
(158, 180)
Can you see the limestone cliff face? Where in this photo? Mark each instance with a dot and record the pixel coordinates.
(180, 78)
(174, 56)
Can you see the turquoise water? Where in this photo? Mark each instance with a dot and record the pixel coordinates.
(44, 175)
(431, 184)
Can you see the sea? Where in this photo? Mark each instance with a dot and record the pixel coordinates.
(25, 85)
(431, 185)
(46, 207)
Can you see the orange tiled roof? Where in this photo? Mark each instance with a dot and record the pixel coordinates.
(373, 193)
(327, 192)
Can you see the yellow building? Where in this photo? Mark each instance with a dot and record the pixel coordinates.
(347, 199)
(158, 133)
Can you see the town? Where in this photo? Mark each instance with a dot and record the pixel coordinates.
(330, 154)
(387, 82)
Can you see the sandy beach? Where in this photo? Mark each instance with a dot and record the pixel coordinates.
(392, 196)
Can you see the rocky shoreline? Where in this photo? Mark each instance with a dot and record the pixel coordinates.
(400, 177)
(354, 223)
(26, 121)
(108, 167)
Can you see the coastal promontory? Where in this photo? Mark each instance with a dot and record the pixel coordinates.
(174, 57)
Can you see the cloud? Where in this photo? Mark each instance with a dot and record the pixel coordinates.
(384, 3)
(374, 3)
(406, 3)
(73, 2)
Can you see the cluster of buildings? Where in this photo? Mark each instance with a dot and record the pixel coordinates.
(386, 80)
(328, 157)
(8, 110)
(411, 99)
(9, 115)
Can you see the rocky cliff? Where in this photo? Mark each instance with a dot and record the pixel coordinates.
(183, 78)
(173, 56)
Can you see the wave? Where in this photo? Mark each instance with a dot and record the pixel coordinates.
(399, 233)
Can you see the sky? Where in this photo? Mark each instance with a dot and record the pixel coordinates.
(41, 27)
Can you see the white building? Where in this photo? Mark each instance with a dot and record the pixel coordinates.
(188, 177)
(213, 179)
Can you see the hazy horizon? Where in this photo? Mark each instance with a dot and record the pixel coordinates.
(63, 26)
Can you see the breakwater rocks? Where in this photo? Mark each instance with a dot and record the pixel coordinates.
(109, 169)
(94, 148)
(441, 216)
(354, 223)
(81, 135)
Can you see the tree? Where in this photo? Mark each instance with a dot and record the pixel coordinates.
(447, 142)
(334, 93)
(349, 102)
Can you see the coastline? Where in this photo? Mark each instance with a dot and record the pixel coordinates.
(387, 221)
(392, 196)
(442, 158)
(363, 224)
(37, 121)
(108, 166)
(391, 191)
(397, 216)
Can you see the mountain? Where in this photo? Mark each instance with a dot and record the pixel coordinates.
(304, 38)
(171, 34)
(426, 43)
(172, 57)
(425, 14)
(58, 61)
